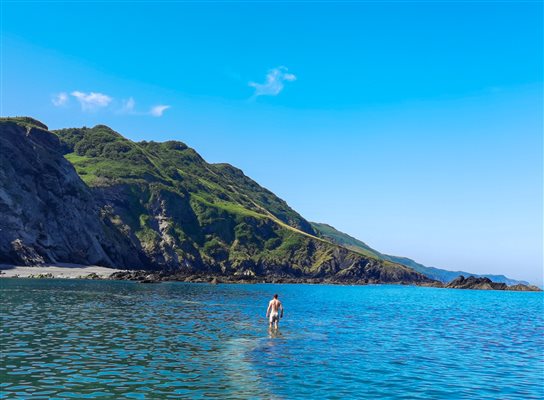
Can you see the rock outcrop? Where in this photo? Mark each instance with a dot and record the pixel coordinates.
(486, 284)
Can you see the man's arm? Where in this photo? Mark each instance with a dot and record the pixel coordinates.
(268, 309)
(281, 308)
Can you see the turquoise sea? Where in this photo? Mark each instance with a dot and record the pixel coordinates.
(102, 339)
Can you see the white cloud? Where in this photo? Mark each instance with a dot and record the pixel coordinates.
(157, 111)
(60, 99)
(274, 82)
(91, 101)
(128, 106)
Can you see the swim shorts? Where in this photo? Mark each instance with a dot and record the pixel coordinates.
(274, 317)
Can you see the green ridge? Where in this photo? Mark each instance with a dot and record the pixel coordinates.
(330, 233)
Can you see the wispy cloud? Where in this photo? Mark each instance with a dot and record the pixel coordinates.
(60, 99)
(92, 101)
(274, 83)
(128, 106)
(158, 110)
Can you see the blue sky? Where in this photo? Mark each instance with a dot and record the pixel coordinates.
(414, 126)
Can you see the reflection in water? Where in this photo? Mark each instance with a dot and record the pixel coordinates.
(274, 333)
(243, 379)
(120, 339)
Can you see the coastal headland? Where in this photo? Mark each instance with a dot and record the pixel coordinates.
(90, 203)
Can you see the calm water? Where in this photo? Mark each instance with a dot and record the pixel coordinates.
(86, 339)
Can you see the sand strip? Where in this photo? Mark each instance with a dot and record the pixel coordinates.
(57, 270)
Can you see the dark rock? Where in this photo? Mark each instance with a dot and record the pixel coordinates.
(92, 276)
(25, 254)
(524, 288)
(42, 276)
(129, 275)
(485, 284)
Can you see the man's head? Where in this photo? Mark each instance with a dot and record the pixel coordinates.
(275, 296)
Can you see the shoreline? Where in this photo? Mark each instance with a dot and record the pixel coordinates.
(95, 272)
(78, 271)
(62, 271)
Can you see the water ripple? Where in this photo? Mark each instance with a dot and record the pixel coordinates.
(85, 339)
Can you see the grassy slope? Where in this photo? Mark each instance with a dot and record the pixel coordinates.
(216, 214)
(27, 122)
(103, 157)
(328, 232)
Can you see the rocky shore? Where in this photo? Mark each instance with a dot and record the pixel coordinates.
(72, 271)
(459, 283)
(155, 277)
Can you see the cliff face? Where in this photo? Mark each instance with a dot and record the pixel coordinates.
(47, 213)
(155, 206)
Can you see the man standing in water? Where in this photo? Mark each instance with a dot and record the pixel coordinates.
(273, 312)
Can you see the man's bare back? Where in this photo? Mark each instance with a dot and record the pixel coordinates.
(273, 312)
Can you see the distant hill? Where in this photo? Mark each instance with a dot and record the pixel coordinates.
(442, 275)
(91, 196)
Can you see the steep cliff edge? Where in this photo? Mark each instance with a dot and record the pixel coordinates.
(47, 213)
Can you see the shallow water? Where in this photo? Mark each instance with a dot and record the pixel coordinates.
(85, 339)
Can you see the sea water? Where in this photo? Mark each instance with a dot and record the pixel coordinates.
(87, 339)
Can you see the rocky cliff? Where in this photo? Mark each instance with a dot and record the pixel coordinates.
(91, 196)
(47, 213)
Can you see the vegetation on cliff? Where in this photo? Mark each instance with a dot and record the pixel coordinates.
(161, 206)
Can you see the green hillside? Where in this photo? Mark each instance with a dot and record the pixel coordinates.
(330, 233)
(211, 212)
(103, 157)
(181, 213)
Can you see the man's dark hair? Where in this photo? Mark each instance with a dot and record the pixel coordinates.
(275, 296)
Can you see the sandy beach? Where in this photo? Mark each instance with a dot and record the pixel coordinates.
(57, 270)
